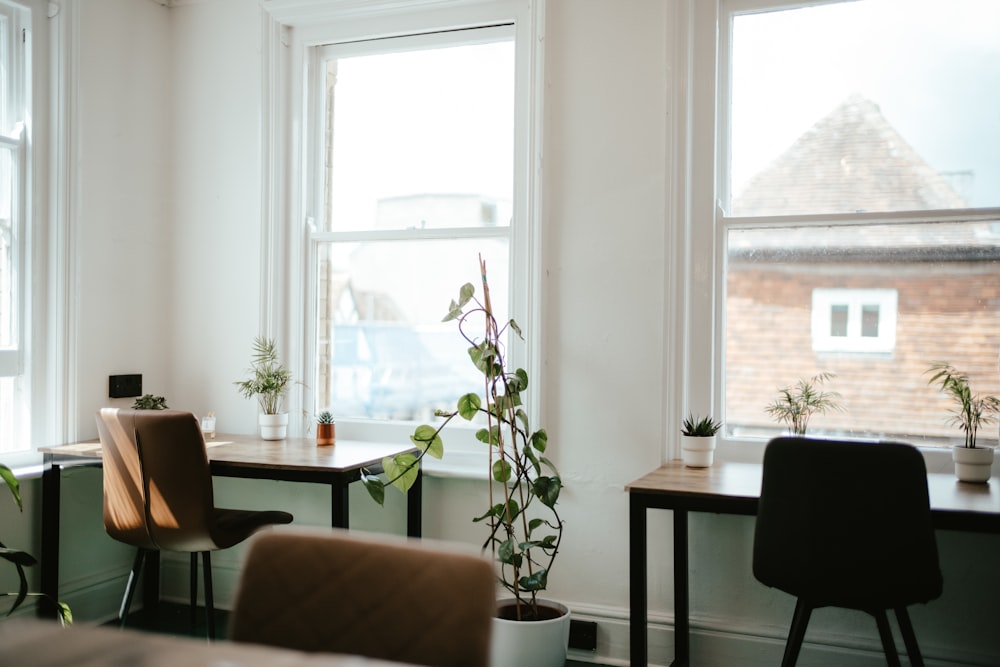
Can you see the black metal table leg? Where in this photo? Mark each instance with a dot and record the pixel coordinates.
(49, 574)
(637, 581)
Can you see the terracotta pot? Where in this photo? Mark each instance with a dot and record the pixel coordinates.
(972, 464)
(541, 643)
(326, 434)
(698, 451)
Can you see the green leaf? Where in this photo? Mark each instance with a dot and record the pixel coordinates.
(506, 551)
(536, 581)
(519, 380)
(65, 614)
(465, 293)
(513, 510)
(401, 470)
(375, 487)
(501, 471)
(482, 435)
(18, 557)
(495, 511)
(547, 490)
(534, 523)
(468, 406)
(429, 440)
(15, 487)
(540, 440)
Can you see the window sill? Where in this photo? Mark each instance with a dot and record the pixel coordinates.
(457, 465)
(26, 465)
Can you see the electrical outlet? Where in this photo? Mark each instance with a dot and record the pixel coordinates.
(125, 386)
(582, 635)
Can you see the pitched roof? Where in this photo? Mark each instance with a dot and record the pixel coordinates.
(852, 160)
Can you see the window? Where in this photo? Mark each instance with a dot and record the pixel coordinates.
(14, 96)
(418, 161)
(860, 321)
(855, 196)
(419, 152)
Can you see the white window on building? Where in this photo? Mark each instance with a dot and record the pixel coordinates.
(853, 148)
(854, 321)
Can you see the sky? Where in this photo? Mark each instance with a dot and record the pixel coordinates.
(932, 67)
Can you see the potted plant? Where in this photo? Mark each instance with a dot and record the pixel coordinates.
(523, 526)
(972, 463)
(22, 559)
(795, 405)
(698, 443)
(268, 382)
(150, 402)
(325, 429)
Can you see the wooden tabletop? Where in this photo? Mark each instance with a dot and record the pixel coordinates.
(288, 454)
(954, 503)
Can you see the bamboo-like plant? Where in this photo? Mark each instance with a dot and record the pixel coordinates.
(269, 379)
(974, 410)
(524, 527)
(795, 405)
(22, 559)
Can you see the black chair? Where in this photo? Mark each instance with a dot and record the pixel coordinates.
(158, 495)
(847, 524)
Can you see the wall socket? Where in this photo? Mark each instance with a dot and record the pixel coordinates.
(125, 386)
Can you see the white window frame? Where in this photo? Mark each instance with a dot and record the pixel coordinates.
(48, 320)
(698, 224)
(823, 301)
(293, 29)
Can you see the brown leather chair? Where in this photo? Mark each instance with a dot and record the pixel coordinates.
(158, 495)
(381, 597)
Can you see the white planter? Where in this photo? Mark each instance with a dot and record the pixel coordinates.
(972, 464)
(535, 643)
(697, 452)
(273, 427)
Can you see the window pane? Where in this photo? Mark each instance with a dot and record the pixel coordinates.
(422, 139)
(384, 352)
(869, 321)
(8, 302)
(887, 105)
(945, 279)
(838, 321)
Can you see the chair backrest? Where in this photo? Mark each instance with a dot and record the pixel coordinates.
(157, 481)
(385, 598)
(846, 524)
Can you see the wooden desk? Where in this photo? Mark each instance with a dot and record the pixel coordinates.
(289, 460)
(734, 488)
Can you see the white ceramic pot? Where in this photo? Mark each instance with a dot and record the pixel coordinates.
(273, 427)
(698, 451)
(535, 643)
(972, 464)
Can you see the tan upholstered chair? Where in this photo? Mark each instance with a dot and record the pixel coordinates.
(158, 494)
(341, 592)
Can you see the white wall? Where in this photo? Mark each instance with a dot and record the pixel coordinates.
(169, 211)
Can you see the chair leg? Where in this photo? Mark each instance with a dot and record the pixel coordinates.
(909, 638)
(194, 592)
(206, 562)
(885, 633)
(133, 579)
(800, 621)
